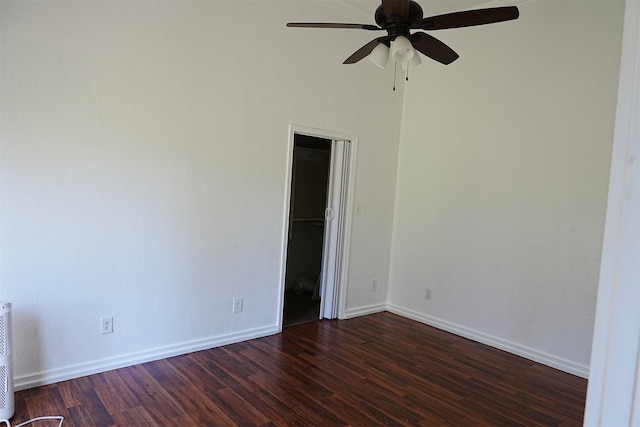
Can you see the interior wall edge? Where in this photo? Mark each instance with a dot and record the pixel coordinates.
(103, 365)
(550, 360)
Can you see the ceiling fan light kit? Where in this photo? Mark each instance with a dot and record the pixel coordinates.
(399, 17)
(415, 61)
(379, 56)
(401, 50)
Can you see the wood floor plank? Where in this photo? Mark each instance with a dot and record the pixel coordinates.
(272, 408)
(79, 416)
(71, 391)
(136, 416)
(351, 412)
(113, 392)
(150, 393)
(93, 406)
(200, 408)
(297, 400)
(376, 370)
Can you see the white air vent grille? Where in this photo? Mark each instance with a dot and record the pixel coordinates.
(5, 386)
(3, 341)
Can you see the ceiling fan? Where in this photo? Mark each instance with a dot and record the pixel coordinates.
(399, 17)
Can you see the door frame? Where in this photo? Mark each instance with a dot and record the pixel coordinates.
(345, 241)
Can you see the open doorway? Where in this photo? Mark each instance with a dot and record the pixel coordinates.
(308, 204)
(320, 188)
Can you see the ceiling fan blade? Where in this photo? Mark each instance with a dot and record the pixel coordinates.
(469, 18)
(396, 7)
(364, 51)
(333, 25)
(433, 48)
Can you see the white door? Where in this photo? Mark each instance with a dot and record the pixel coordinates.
(334, 229)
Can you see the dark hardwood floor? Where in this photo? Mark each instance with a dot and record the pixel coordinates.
(374, 370)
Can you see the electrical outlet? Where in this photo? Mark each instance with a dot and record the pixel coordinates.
(106, 325)
(237, 305)
(374, 285)
(427, 294)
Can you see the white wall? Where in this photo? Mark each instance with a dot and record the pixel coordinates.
(143, 156)
(502, 181)
(142, 174)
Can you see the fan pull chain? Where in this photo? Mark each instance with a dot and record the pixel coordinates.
(406, 77)
(395, 69)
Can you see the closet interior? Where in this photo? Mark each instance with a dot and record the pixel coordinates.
(309, 186)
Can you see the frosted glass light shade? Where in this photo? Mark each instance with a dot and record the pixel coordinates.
(401, 50)
(415, 61)
(379, 56)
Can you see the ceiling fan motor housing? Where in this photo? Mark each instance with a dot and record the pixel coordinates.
(397, 26)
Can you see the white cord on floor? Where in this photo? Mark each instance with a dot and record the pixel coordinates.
(56, 417)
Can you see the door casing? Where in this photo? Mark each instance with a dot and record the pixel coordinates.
(347, 213)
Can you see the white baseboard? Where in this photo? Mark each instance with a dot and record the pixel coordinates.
(528, 353)
(363, 311)
(102, 365)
